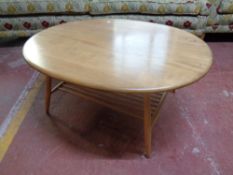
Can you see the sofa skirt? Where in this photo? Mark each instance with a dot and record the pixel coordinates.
(27, 26)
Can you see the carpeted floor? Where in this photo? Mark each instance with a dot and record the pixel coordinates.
(193, 136)
(14, 75)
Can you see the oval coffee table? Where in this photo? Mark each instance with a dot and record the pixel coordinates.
(125, 65)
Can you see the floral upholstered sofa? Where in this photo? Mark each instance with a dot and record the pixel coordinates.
(221, 19)
(26, 17)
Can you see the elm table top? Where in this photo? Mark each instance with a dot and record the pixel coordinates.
(119, 55)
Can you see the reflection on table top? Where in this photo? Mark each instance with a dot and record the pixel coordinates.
(119, 55)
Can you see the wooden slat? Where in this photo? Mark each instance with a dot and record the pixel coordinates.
(103, 102)
(155, 111)
(107, 97)
(129, 104)
(57, 86)
(111, 96)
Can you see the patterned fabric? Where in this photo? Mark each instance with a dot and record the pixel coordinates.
(35, 23)
(26, 26)
(160, 7)
(212, 17)
(226, 6)
(158, 1)
(209, 7)
(202, 15)
(218, 29)
(23, 33)
(222, 23)
(182, 22)
(19, 7)
(217, 22)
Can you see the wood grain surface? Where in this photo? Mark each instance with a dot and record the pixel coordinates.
(119, 55)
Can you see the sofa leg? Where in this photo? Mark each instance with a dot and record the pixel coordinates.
(202, 36)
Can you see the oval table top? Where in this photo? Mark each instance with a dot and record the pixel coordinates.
(119, 55)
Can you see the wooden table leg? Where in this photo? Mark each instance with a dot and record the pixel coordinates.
(147, 125)
(47, 93)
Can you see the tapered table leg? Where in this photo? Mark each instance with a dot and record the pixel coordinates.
(147, 125)
(47, 93)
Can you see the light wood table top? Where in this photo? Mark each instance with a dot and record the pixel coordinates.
(119, 55)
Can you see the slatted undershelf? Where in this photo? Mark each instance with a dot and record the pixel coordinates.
(129, 104)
